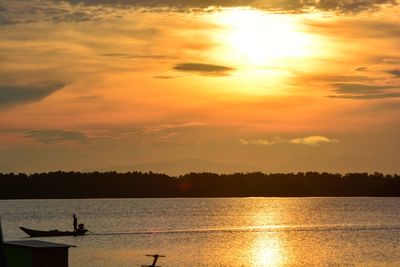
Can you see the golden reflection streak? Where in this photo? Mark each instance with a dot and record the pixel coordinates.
(268, 247)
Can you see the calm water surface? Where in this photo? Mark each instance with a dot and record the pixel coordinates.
(219, 232)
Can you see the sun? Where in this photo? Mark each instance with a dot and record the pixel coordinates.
(257, 38)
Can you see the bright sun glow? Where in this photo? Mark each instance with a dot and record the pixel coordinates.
(267, 250)
(256, 38)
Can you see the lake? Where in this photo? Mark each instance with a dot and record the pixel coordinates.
(218, 231)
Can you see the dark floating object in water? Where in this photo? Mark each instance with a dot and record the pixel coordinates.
(38, 233)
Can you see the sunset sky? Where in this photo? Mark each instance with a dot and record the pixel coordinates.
(276, 85)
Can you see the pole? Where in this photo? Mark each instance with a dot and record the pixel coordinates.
(155, 256)
(2, 254)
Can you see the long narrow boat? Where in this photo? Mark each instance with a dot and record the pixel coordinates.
(38, 233)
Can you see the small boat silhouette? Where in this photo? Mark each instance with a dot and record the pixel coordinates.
(39, 233)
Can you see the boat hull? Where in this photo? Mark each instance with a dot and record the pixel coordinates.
(38, 233)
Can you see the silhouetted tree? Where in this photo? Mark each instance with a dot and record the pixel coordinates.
(61, 184)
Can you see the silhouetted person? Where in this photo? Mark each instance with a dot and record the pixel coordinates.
(75, 222)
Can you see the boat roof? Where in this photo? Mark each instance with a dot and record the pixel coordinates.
(36, 244)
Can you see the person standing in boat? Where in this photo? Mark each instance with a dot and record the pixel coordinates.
(75, 222)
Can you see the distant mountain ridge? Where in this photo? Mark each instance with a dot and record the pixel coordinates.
(184, 166)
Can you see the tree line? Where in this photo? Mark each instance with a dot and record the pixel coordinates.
(140, 185)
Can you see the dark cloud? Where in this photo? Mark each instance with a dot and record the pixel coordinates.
(14, 12)
(364, 91)
(56, 136)
(11, 95)
(362, 68)
(356, 88)
(33, 11)
(351, 5)
(5, 21)
(77, 16)
(270, 5)
(369, 96)
(204, 69)
(366, 97)
(395, 73)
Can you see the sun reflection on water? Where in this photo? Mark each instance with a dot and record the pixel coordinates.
(267, 251)
(267, 248)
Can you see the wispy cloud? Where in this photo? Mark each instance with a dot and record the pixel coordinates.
(356, 28)
(358, 88)
(163, 127)
(364, 91)
(133, 56)
(204, 69)
(158, 133)
(391, 60)
(264, 142)
(331, 78)
(309, 140)
(56, 136)
(313, 140)
(165, 77)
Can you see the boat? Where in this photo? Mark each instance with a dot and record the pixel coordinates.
(39, 233)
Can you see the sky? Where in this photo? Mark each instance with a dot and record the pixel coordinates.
(274, 85)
